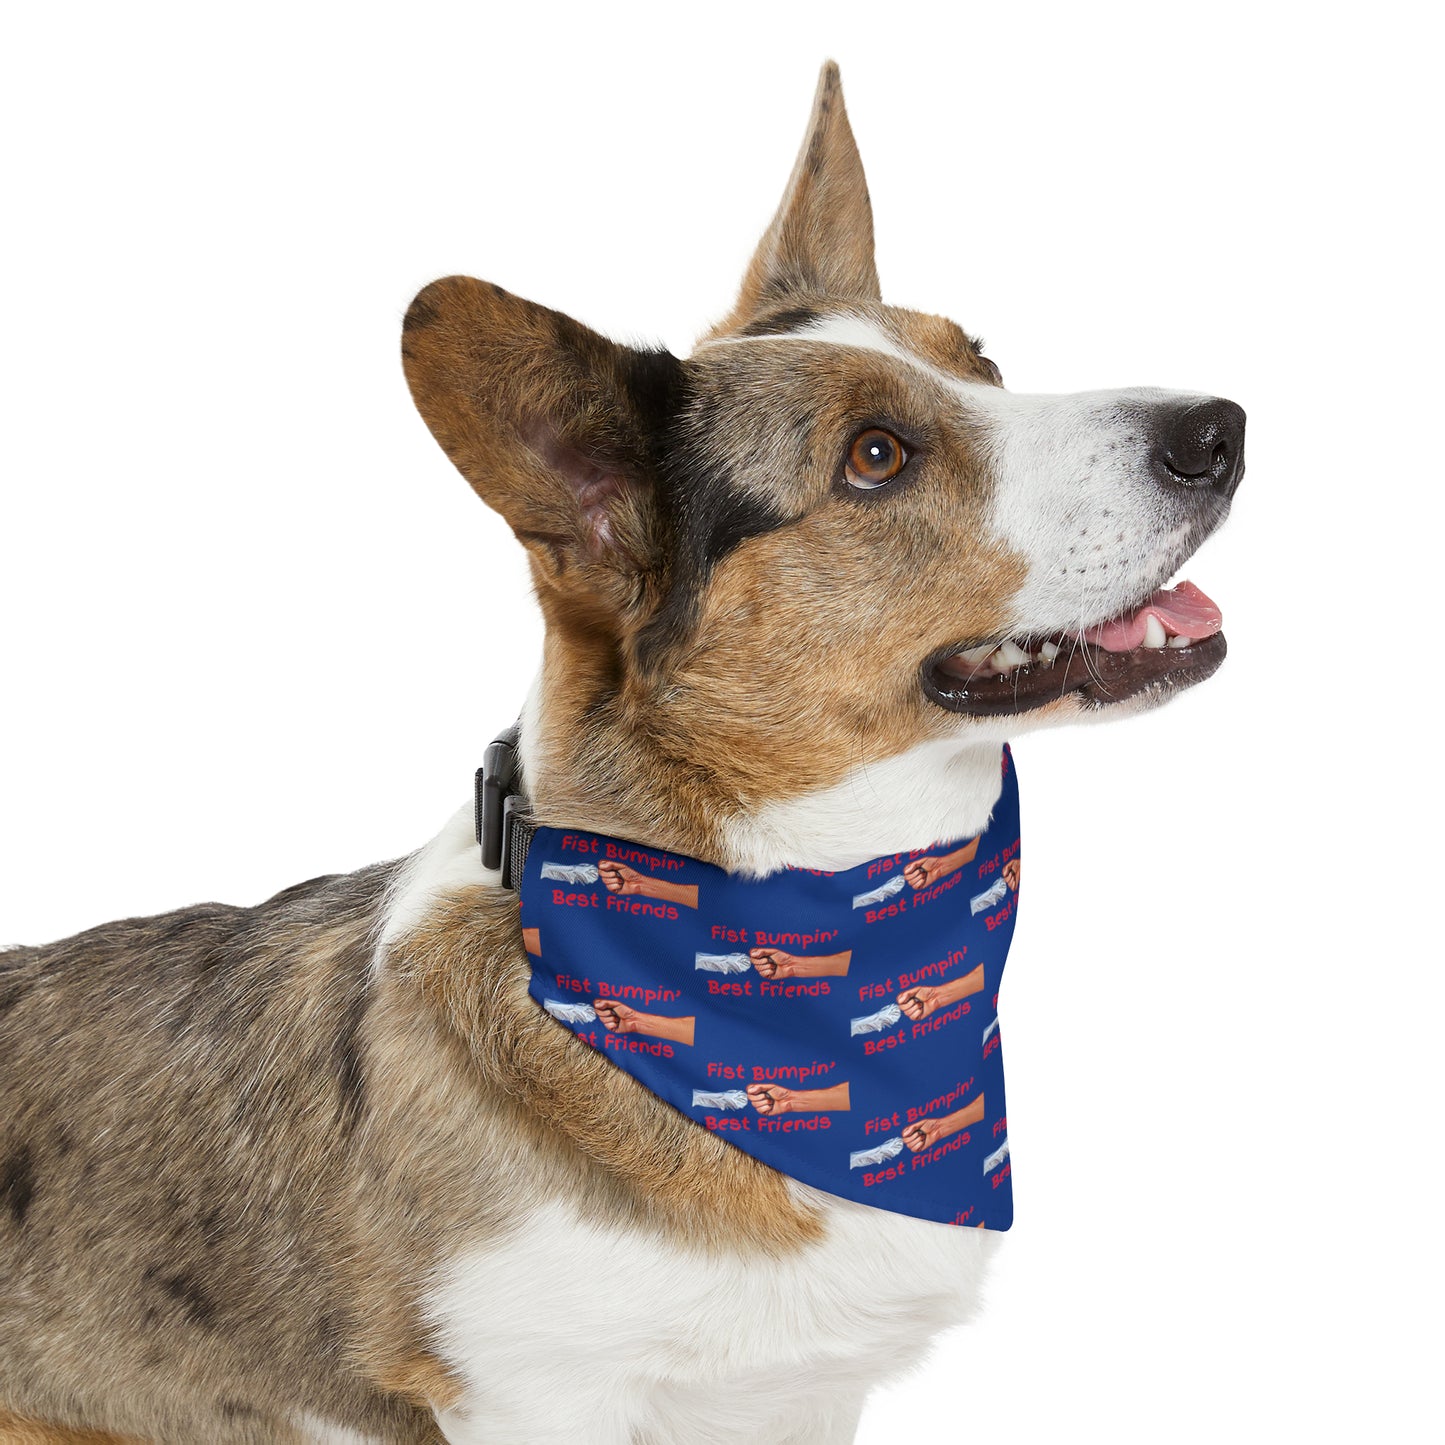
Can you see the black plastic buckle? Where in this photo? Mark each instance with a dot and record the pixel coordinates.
(500, 804)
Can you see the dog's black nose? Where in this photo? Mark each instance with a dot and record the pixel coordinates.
(1201, 444)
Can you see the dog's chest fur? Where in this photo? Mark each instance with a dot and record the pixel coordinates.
(570, 1329)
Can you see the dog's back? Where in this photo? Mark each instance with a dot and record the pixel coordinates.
(179, 1094)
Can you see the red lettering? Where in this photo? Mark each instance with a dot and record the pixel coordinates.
(877, 1176)
(785, 1125)
(1003, 915)
(888, 1041)
(817, 989)
(575, 900)
(730, 990)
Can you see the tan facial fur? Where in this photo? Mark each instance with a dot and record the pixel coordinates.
(803, 659)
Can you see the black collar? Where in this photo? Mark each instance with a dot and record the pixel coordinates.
(504, 826)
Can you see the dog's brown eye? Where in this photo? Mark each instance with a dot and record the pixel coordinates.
(875, 457)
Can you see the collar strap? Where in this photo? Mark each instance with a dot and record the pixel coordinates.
(503, 821)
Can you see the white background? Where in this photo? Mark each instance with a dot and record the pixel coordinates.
(255, 628)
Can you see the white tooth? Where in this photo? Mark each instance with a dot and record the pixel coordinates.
(976, 655)
(1049, 651)
(1180, 641)
(996, 662)
(1154, 634)
(1012, 655)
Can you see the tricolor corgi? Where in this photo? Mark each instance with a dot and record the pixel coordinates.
(322, 1169)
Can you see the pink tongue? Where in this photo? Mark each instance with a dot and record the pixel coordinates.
(1185, 611)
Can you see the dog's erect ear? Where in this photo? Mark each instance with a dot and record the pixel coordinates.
(820, 243)
(556, 427)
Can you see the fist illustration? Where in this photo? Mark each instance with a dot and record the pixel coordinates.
(773, 962)
(770, 1098)
(919, 1002)
(619, 878)
(923, 871)
(923, 1135)
(621, 1018)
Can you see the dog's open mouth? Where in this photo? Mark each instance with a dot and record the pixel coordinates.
(1171, 640)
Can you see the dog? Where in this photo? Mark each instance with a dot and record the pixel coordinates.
(320, 1170)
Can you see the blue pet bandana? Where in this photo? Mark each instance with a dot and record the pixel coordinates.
(841, 1027)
